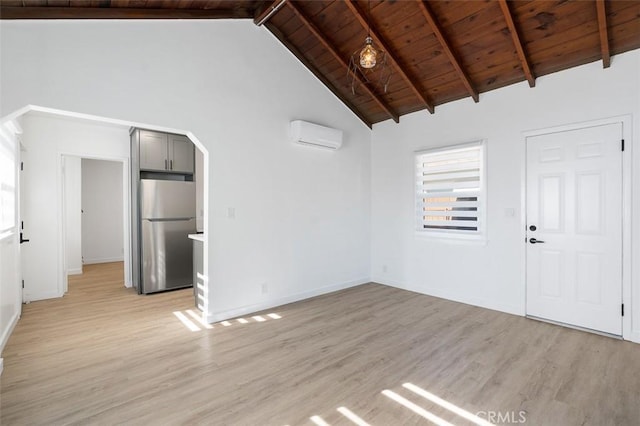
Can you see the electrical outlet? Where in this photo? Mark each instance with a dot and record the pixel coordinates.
(265, 288)
(231, 213)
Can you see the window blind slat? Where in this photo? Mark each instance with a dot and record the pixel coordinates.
(450, 155)
(447, 194)
(449, 175)
(450, 213)
(451, 223)
(450, 204)
(443, 186)
(470, 165)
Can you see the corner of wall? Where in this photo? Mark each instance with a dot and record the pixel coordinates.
(213, 317)
(456, 297)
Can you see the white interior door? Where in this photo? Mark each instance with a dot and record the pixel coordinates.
(574, 227)
(10, 286)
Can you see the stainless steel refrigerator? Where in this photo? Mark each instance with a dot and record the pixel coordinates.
(167, 216)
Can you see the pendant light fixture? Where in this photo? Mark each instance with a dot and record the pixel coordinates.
(368, 54)
(368, 65)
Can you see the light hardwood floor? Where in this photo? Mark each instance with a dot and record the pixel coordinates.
(104, 355)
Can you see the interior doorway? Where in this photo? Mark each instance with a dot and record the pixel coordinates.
(95, 211)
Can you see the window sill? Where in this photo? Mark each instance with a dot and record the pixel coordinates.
(452, 238)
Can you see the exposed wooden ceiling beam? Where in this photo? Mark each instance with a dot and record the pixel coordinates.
(268, 12)
(604, 38)
(52, 12)
(338, 56)
(453, 58)
(314, 70)
(518, 44)
(412, 81)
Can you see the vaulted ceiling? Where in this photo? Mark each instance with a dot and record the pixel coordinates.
(436, 51)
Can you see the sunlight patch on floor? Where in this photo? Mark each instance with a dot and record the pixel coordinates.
(416, 408)
(254, 319)
(199, 319)
(186, 321)
(352, 416)
(446, 404)
(318, 421)
(465, 416)
(194, 321)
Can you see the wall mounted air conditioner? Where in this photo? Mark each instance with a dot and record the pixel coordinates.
(306, 133)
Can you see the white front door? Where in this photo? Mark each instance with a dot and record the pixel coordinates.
(574, 227)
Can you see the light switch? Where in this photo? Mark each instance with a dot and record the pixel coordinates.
(231, 212)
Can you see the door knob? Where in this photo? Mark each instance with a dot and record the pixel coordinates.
(534, 241)
(22, 239)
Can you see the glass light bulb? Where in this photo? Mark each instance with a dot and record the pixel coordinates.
(368, 55)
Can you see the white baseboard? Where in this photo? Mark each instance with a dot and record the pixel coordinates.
(390, 283)
(635, 337)
(444, 294)
(1, 366)
(6, 333)
(103, 260)
(33, 297)
(248, 309)
(77, 271)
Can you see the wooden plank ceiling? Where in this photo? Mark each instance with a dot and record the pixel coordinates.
(437, 51)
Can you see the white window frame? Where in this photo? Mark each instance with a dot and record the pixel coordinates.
(479, 236)
(8, 219)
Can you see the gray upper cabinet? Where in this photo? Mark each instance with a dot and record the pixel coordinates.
(181, 154)
(166, 152)
(153, 150)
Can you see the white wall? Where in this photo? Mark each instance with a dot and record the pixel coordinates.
(46, 139)
(492, 275)
(302, 215)
(72, 200)
(102, 221)
(199, 178)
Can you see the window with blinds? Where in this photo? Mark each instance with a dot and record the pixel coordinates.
(450, 190)
(7, 185)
